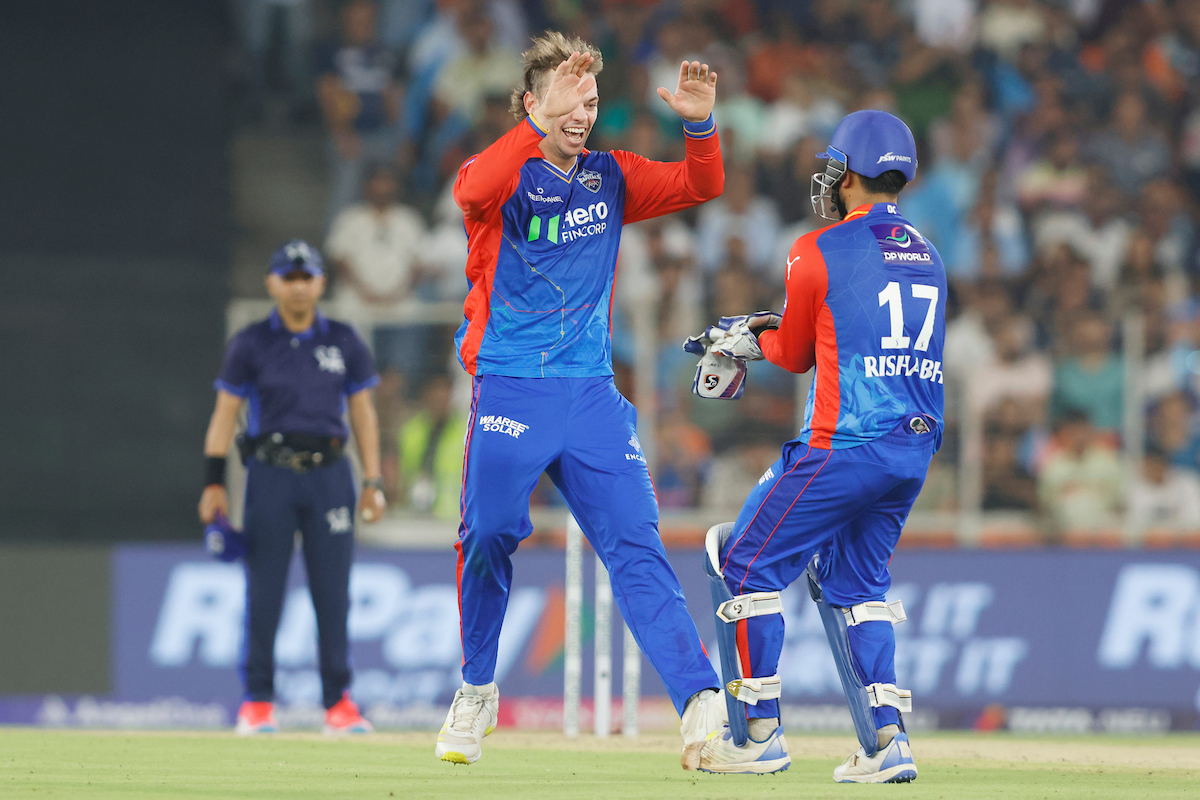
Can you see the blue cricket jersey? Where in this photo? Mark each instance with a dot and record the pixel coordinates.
(866, 304)
(543, 247)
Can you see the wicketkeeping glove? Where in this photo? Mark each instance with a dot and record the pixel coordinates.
(717, 377)
(225, 542)
(739, 340)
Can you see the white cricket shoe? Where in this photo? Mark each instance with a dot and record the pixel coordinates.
(720, 754)
(703, 717)
(472, 716)
(891, 764)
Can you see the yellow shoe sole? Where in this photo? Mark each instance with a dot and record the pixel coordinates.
(455, 758)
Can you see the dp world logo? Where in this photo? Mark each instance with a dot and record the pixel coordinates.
(899, 237)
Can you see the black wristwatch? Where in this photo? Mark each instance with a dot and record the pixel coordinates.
(373, 483)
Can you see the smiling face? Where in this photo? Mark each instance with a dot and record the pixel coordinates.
(568, 133)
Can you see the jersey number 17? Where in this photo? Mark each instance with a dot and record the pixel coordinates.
(890, 296)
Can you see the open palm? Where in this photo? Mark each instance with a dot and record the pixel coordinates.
(696, 93)
(569, 84)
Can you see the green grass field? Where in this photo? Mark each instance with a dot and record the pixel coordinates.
(38, 763)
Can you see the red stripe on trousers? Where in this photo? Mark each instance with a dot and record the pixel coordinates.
(462, 510)
(760, 507)
(782, 517)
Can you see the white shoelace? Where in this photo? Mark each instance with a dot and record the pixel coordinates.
(466, 708)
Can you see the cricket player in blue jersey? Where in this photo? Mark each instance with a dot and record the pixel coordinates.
(866, 304)
(543, 216)
(298, 372)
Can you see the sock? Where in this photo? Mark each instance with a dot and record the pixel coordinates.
(486, 689)
(886, 733)
(762, 727)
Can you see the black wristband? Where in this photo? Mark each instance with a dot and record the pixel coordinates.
(373, 483)
(214, 471)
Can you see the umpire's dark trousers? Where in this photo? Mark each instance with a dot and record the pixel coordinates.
(320, 504)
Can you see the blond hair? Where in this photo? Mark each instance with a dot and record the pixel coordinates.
(548, 51)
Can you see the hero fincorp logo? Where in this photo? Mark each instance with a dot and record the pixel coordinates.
(890, 156)
(572, 224)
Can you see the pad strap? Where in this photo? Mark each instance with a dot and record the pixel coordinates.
(886, 694)
(875, 611)
(752, 690)
(755, 604)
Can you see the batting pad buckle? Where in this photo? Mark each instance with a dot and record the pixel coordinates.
(751, 690)
(886, 694)
(875, 611)
(755, 604)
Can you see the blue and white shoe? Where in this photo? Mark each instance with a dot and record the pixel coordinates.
(892, 764)
(720, 754)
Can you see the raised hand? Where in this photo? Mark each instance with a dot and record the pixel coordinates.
(697, 92)
(569, 84)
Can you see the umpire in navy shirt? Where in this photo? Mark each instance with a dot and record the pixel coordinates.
(299, 372)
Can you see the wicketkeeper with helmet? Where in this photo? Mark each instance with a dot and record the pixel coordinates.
(866, 304)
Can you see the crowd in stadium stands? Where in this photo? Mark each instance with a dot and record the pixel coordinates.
(1059, 177)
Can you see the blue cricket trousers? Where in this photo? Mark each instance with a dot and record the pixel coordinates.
(583, 434)
(848, 507)
(320, 504)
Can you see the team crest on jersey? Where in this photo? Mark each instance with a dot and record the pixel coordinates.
(590, 180)
(901, 244)
(330, 359)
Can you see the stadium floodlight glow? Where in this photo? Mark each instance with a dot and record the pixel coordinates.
(825, 183)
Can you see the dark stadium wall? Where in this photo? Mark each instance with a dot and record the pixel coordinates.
(115, 234)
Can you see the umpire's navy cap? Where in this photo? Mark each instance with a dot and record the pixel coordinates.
(873, 143)
(297, 255)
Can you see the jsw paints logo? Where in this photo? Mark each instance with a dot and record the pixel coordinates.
(890, 156)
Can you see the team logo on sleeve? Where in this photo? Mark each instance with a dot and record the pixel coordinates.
(590, 180)
(329, 359)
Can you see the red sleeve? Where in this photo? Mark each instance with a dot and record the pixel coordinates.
(654, 188)
(793, 345)
(487, 180)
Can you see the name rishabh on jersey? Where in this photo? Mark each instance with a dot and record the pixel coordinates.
(866, 304)
(543, 247)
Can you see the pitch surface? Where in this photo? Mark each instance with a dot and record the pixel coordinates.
(35, 763)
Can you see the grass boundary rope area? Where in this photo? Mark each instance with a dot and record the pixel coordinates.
(179, 764)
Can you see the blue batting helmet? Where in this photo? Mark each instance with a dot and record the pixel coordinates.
(874, 142)
(869, 143)
(297, 255)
